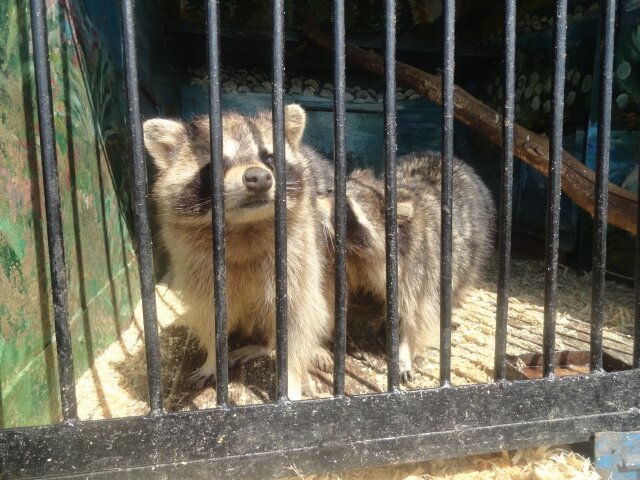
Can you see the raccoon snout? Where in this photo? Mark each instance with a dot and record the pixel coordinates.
(257, 179)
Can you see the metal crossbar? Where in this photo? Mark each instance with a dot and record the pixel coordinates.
(553, 189)
(448, 61)
(391, 220)
(54, 218)
(340, 188)
(217, 209)
(267, 440)
(140, 211)
(506, 191)
(607, 26)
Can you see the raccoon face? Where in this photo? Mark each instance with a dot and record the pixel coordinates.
(181, 151)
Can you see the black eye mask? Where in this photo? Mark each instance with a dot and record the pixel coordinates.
(195, 197)
(268, 160)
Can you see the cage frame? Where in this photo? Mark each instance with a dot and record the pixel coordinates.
(311, 436)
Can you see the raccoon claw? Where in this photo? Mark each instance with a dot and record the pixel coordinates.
(246, 354)
(323, 360)
(406, 376)
(200, 378)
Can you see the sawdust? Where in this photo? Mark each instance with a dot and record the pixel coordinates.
(543, 463)
(116, 386)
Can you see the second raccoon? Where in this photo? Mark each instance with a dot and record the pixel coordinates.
(418, 240)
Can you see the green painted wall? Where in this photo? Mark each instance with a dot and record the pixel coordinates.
(92, 161)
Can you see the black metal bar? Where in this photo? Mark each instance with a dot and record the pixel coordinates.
(607, 41)
(448, 70)
(140, 210)
(553, 189)
(55, 242)
(636, 330)
(340, 153)
(506, 190)
(391, 219)
(219, 265)
(281, 200)
(265, 441)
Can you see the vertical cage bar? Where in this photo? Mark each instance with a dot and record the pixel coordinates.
(217, 210)
(281, 200)
(340, 340)
(391, 219)
(607, 40)
(636, 330)
(55, 239)
(140, 210)
(553, 189)
(448, 60)
(506, 190)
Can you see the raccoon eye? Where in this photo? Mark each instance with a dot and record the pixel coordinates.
(267, 159)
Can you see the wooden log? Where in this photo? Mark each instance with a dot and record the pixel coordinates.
(578, 181)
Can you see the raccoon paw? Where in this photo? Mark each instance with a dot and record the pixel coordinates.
(323, 360)
(200, 378)
(404, 354)
(245, 354)
(406, 376)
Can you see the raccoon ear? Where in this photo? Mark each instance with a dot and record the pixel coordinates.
(356, 218)
(161, 136)
(295, 120)
(325, 207)
(405, 211)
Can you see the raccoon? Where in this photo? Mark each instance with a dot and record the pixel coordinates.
(418, 240)
(182, 193)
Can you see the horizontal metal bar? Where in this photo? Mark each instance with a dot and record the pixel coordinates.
(350, 431)
(340, 225)
(55, 239)
(217, 211)
(391, 219)
(553, 188)
(607, 42)
(506, 191)
(446, 207)
(140, 210)
(281, 201)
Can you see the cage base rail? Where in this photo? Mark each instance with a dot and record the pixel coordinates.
(268, 440)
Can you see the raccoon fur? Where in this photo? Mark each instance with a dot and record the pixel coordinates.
(418, 240)
(182, 193)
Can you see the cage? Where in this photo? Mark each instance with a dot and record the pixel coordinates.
(81, 306)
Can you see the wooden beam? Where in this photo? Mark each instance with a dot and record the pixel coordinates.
(578, 181)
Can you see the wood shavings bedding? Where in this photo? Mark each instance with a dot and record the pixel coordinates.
(543, 463)
(116, 385)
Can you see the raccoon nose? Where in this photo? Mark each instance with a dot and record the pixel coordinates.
(257, 179)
